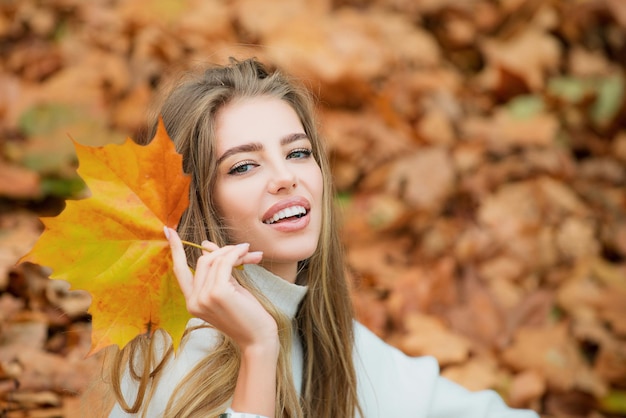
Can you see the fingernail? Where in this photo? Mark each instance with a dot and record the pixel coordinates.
(243, 244)
(256, 253)
(167, 232)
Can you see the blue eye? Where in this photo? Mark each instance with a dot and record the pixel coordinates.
(300, 153)
(241, 168)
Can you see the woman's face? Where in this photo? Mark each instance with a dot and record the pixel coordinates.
(269, 187)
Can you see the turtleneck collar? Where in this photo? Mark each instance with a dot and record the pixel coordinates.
(284, 295)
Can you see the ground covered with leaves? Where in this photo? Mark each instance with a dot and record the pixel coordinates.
(478, 148)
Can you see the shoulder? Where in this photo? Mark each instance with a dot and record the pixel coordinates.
(392, 384)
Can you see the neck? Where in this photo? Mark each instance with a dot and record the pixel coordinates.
(286, 271)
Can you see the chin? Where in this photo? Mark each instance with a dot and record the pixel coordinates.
(289, 254)
(292, 257)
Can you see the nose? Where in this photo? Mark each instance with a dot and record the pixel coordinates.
(282, 179)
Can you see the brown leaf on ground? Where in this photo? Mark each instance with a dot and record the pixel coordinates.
(478, 373)
(551, 352)
(28, 400)
(260, 21)
(531, 55)
(503, 131)
(73, 303)
(18, 232)
(417, 290)
(360, 144)
(70, 373)
(435, 128)
(534, 309)
(519, 214)
(379, 262)
(479, 317)
(346, 50)
(366, 216)
(526, 388)
(428, 336)
(597, 291)
(194, 28)
(28, 329)
(424, 179)
(18, 182)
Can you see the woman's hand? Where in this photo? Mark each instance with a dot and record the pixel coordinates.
(213, 294)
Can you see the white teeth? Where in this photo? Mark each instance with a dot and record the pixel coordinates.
(286, 213)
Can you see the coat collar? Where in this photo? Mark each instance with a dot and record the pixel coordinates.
(284, 295)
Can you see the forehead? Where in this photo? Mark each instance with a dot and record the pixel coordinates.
(259, 119)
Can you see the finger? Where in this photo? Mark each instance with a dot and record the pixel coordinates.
(179, 258)
(209, 247)
(246, 256)
(204, 280)
(253, 257)
(222, 263)
(203, 263)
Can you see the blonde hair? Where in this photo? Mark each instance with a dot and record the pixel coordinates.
(324, 321)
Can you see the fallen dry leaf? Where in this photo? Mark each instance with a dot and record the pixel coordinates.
(18, 182)
(550, 351)
(478, 373)
(407, 178)
(526, 388)
(530, 55)
(428, 336)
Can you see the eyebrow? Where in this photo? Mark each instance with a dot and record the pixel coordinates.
(256, 146)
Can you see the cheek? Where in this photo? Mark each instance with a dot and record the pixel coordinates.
(220, 200)
(225, 203)
(317, 182)
(234, 205)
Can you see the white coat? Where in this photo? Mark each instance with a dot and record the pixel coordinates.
(390, 383)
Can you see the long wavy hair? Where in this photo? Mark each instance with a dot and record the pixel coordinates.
(324, 320)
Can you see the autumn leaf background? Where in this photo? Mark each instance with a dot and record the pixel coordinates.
(478, 148)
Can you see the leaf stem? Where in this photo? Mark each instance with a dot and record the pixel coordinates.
(193, 244)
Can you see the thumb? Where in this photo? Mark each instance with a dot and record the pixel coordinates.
(181, 269)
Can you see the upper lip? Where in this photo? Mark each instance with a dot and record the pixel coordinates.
(286, 203)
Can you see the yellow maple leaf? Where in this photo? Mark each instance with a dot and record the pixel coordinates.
(112, 245)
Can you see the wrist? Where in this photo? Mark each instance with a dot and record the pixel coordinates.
(265, 350)
(255, 391)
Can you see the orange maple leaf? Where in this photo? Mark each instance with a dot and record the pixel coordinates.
(112, 245)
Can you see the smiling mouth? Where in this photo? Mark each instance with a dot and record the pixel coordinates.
(287, 214)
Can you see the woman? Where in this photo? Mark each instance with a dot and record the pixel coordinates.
(281, 341)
